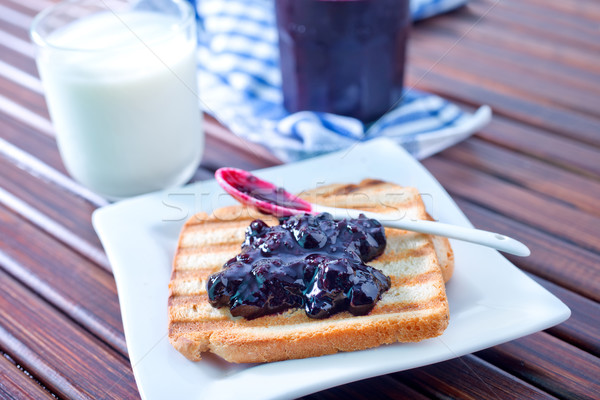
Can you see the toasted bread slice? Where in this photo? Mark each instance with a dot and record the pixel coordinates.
(413, 309)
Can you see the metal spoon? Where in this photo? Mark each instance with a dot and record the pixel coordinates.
(266, 197)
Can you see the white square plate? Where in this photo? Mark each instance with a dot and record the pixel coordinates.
(491, 301)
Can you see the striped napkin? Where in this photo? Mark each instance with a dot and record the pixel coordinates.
(240, 85)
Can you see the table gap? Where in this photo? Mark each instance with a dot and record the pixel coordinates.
(27, 375)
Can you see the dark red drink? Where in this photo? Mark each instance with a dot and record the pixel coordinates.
(342, 56)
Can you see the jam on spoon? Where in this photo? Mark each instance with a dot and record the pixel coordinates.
(268, 198)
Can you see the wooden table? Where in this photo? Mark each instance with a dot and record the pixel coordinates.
(533, 173)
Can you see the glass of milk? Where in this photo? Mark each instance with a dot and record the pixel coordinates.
(120, 83)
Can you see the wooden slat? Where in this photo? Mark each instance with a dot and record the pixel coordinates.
(29, 140)
(15, 22)
(506, 74)
(29, 7)
(64, 278)
(517, 203)
(468, 377)
(14, 16)
(534, 175)
(568, 266)
(551, 258)
(51, 208)
(542, 23)
(508, 61)
(440, 46)
(549, 363)
(380, 388)
(563, 152)
(17, 48)
(543, 37)
(577, 11)
(67, 359)
(487, 22)
(452, 83)
(581, 329)
(524, 139)
(16, 385)
(12, 86)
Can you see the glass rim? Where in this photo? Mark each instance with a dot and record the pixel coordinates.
(187, 17)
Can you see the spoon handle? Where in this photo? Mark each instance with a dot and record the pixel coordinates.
(472, 235)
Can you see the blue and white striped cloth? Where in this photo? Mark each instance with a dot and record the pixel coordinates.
(240, 85)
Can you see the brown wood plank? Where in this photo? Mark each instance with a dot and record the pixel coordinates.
(16, 385)
(11, 88)
(67, 359)
(36, 152)
(17, 53)
(481, 42)
(30, 140)
(468, 377)
(507, 74)
(549, 363)
(547, 147)
(380, 388)
(519, 204)
(566, 265)
(456, 84)
(29, 7)
(522, 34)
(534, 175)
(57, 211)
(581, 329)
(15, 22)
(542, 23)
(551, 258)
(576, 10)
(54, 210)
(463, 29)
(64, 278)
(520, 138)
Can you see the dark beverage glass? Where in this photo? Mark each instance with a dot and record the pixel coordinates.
(342, 56)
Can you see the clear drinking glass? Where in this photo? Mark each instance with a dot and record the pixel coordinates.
(121, 87)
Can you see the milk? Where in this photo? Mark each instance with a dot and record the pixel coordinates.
(122, 94)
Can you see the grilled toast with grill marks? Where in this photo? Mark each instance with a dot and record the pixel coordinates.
(413, 309)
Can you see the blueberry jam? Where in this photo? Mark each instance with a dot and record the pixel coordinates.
(307, 261)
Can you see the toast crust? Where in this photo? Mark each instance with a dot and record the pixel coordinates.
(413, 309)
